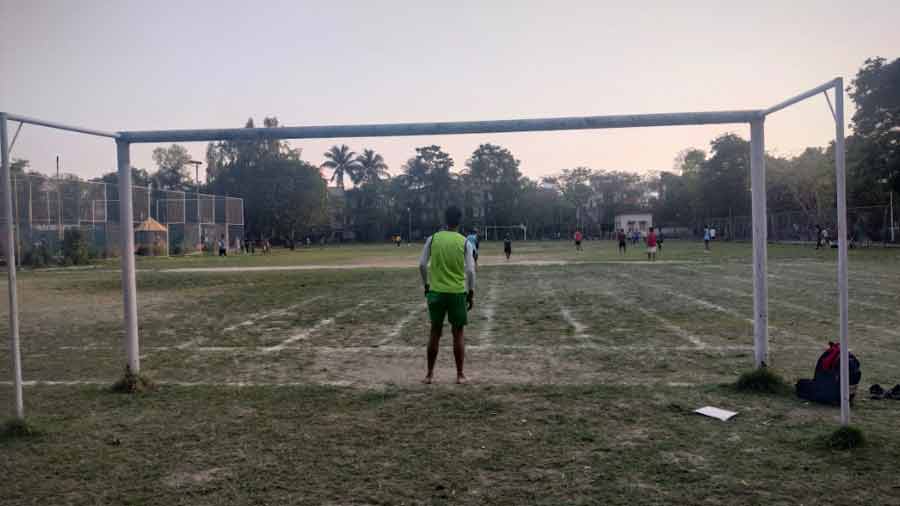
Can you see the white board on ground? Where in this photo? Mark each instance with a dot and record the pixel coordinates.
(721, 414)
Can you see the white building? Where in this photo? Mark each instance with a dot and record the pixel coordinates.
(631, 222)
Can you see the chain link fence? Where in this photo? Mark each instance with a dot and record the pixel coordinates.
(44, 208)
(866, 225)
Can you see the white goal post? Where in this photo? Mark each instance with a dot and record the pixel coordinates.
(754, 117)
(523, 228)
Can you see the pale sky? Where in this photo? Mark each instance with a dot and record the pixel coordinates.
(120, 65)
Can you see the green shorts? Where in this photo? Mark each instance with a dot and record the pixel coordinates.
(451, 304)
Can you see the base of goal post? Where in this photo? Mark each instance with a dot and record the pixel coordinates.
(132, 383)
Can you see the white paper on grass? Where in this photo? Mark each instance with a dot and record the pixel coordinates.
(721, 414)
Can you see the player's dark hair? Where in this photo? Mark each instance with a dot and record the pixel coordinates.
(452, 216)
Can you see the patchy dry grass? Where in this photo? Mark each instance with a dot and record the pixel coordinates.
(444, 445)
(302, 386)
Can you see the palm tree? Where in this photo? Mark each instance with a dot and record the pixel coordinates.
(341, 161)
(371, 166)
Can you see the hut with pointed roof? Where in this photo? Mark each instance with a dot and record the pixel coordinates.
(151, 238)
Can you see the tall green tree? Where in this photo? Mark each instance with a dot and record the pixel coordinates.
(172, 167)
(575, 187)
(431, 184)
(342, 162)
(616, 192)
(224, 154)
(139, 177)
(495, 179)
(725, 177)
(689, 161)
(805, 183)
(873, 152)
(19, 166)
(284, 196)
(371, 167)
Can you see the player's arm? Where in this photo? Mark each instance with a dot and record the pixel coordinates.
(423, 263)
(470, 275)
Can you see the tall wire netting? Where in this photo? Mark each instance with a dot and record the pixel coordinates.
(45, 208)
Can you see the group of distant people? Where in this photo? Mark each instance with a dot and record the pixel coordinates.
(247, 246)
(653, 240)
(709, 234)
(822, 240)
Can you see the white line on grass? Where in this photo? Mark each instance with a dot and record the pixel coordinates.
(277, 312)
(810, 311)
(332, 350)
(260, 384)
(489, 309)
(823, 285)
(408, 265)
(818, 288)
(395, 348)
(670, 326)
(675, 329)
(415, 310)
(571, 321)
(705, 303)
(305, 333)
(564, 311)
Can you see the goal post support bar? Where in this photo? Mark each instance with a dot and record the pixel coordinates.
(843, 296)
(760, 236)
(10, 253)
(836, 83)
(126, 238)
(60, 126)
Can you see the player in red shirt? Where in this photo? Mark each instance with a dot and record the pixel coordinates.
(651, 245)
(578, 238)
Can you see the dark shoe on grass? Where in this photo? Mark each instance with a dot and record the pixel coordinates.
(876, 392)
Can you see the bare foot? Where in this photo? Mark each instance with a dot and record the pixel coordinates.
(461, 380)
(427, 380)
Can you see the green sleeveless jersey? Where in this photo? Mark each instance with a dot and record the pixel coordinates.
(447, 272)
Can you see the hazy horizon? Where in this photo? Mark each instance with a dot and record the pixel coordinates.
(134, 65)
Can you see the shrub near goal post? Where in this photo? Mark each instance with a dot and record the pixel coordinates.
(755, 117)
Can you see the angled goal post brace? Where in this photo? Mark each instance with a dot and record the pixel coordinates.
(754, 117)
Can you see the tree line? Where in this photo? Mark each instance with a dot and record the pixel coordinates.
(287, 198)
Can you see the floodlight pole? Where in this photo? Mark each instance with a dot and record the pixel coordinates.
(129, 286)
(891, 196)
(11, 271)
(840, 174)
(760, 233)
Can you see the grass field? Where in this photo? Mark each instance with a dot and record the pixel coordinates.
(293, 378)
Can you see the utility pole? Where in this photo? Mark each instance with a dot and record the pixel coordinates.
(196, 164)
(891, 193)
(59, 201)
(409, 214)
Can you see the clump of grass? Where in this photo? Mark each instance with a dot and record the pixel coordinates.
(846, 438)
(132, 383)
(762, 380)
(18, 429)
(380, 396)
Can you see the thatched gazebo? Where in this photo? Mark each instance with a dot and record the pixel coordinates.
(151, 238)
